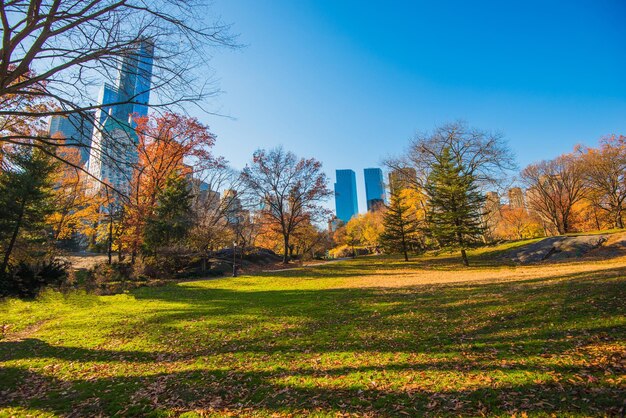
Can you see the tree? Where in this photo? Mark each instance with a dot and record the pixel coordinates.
(77, 210)
(483, 155)
(517, 223)
(554, 188)
(364, 230)
(211, 229)
(455, 204)
(604, 173)
(169, 145)
(289, 189)
(400, 226)
(25, 197)
(172, 215)
(76, 44)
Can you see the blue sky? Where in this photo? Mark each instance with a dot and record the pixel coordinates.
(350, 82)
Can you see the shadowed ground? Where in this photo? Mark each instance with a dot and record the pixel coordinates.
(371, 336)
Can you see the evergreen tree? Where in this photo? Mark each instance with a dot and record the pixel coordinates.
(455, 204)
(26, 188)
(172, 216)
(400, 234)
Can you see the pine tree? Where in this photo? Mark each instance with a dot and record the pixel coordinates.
(400, 234)
(172, 216)
(455, 204)
(26, 183)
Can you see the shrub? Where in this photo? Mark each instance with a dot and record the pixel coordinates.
(25, 280)
(341, 252)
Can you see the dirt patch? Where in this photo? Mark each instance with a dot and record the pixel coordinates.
(480, 275)
(7, 335)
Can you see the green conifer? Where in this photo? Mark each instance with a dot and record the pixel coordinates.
(455, 204)
(400, 235)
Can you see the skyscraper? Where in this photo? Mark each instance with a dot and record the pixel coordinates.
(374, 188)
(113, 151)
(76, 129)
(516, 198)
(402, 178)
(345, 195)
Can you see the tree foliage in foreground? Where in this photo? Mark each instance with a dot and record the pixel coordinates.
(455, 204)
(26, 191)
(289, 189)
(172, 216)
(400, 234)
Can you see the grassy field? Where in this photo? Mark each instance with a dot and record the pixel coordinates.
(371, 336)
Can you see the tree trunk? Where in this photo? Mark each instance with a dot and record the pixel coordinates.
(286, 250)
(110, 249)
(16, 230)
(618, 219)
(464, 256)
(460, 241)
(404, 249)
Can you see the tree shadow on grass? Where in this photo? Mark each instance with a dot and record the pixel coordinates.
(419, 319)
(32, 348)
(452, 329)
(242, 393)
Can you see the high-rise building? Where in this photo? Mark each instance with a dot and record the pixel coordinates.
(346, 204)
(77, 129)
(402, 178)
(516, 198)
(113, 146)
(491, 213)
(233, 209)
(374, 188)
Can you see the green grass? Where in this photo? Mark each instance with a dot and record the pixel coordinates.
(323, 341)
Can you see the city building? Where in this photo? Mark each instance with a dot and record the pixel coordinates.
(516, 198)
(233, 209)
(402, 178)
(374, 188)
(334, 224)
(346, 205)
(77, 129)
(114, 140)
(205, 198)
(491, 213)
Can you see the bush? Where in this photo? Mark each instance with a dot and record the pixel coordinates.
(25, 280)
(102, 274)
(341, 252)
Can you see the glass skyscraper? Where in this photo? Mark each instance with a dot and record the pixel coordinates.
(76, 129)
(114, 140)
(374, 188)
(346, 204)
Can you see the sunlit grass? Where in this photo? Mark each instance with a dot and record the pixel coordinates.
(371, 336)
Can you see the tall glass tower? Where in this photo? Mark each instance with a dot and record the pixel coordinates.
(374, 188)
(77, 129)
(345, 195)
(114, 140)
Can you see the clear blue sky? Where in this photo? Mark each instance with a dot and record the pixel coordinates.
(349, 82)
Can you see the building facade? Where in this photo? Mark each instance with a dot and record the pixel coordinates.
(374, 188)
(77, 130)
(402, 178)
(346, 205)
(114, 140)
(516, 198)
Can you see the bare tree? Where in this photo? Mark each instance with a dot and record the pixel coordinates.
(211, 230)
(553, 188)
(289, 190)
(604, 171)
(483, 155)
(56, 52)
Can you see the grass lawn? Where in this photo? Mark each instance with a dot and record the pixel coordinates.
(372, 336)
